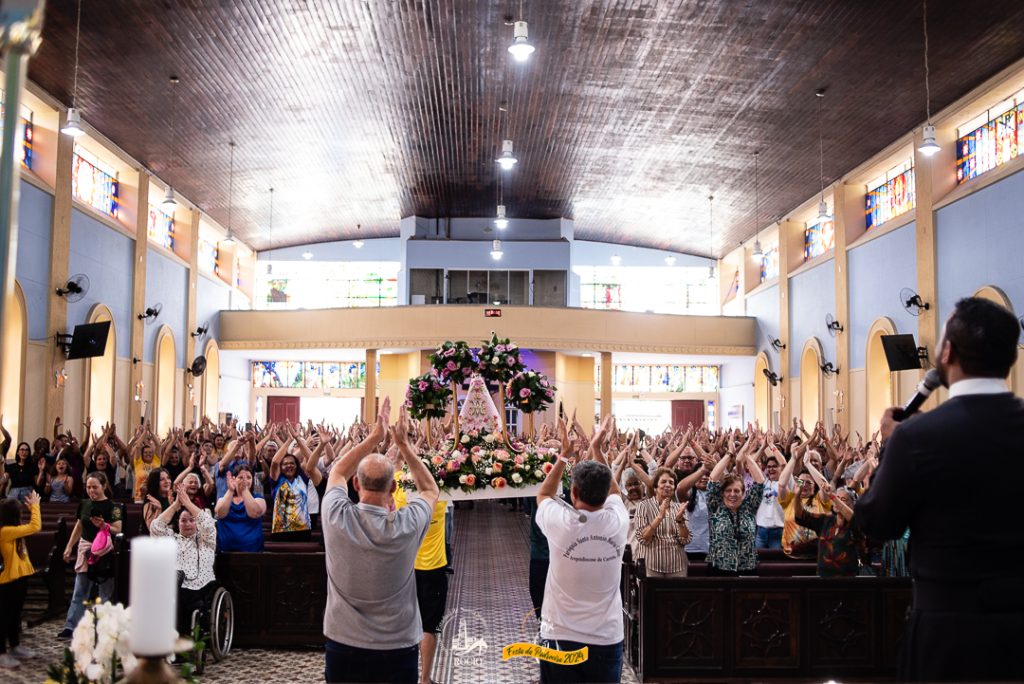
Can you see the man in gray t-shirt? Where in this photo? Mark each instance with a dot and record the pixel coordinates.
(372, 623)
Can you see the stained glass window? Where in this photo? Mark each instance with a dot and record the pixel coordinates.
(314, 373)
(27, 130)
(94, 183)
(770, 264)
(161, 227)
(734, 287)
(326, 285)
(309, 374)
(712, 417)
(676, 378)
(668, 290)
(991, 144)
(818, 239)
(209, 255)
(890, 197)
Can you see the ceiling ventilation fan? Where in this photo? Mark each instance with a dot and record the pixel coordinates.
(75, 288)
(912, 302)
(152, 313)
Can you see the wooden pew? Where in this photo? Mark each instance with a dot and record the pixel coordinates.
(711, 628)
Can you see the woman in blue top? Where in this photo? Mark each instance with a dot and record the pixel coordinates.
(239, 513)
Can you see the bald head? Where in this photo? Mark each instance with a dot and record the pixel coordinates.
(375, 473)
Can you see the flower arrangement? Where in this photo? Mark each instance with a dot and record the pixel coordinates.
(427, 396)
(530, 392)
(481, 461)
(99, 645)
(499, 359)
(453, 361)
(100, 652)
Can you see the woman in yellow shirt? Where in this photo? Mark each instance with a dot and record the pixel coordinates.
(14, 578)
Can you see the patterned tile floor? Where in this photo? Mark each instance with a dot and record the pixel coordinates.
(488, 608)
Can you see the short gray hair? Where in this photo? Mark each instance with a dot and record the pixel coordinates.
(375, 473)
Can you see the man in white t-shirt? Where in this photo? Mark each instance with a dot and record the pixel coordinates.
(770, 518)
(582, 604)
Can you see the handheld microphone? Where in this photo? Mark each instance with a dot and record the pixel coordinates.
(925, 388)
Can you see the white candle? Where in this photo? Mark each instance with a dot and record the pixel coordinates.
(154, 595)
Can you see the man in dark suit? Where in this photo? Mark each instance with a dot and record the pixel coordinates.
(950, 476)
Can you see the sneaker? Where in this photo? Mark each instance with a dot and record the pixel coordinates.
(64, 634)
(22, 652)
(7, 660)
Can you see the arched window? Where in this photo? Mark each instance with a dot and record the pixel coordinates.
(880, 385)
(210, 398)
(99, 372)
(762, 392)
(810, 382)
(165, 381)
(994, 294)
(12, 365)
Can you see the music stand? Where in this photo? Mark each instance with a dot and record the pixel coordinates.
(901, 352)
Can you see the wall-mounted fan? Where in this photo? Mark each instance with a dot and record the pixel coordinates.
(773, 379)
(776, 343)
(75, 288)
(151, 313)
(912, 302)
(201, 330)
(828, 369)
(834, 326)
(198, 367)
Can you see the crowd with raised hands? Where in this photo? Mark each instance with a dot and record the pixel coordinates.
(719, 496)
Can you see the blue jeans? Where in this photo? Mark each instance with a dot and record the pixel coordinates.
(769, 537)
(351, 664)
(603, 664)
(19, 493)
(84, 590)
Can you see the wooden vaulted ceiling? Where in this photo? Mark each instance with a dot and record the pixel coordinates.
(627, 117)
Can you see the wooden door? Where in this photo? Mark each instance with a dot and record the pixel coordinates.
(686, 411)
(280, 409)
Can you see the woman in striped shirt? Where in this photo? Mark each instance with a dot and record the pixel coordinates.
(661, 531)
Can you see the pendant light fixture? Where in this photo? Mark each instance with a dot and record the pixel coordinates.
(496, 252)
(928, 144)
(500, 222)
(270, 240)
(823, 214)
(230, 239)
(711, 236)
(170, 202)
(521, 49)
(357, 243)
(758, 253)
(73, 127)
(507, 160)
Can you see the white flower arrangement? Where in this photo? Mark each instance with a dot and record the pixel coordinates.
(100, 637)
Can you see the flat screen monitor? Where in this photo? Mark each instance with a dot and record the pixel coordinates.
(901, 352)
(89, 340)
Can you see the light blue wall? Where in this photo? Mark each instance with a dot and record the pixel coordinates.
(212, 297)
(477, 254)
(980, 241)
(105, 255)
(877, 271)
(235, 385)
(166, 283)
(35, 214)
(764, 306)
(812, 295)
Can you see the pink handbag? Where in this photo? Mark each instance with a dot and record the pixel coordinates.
(101, 545)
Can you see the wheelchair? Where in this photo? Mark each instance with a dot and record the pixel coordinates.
(216, 624)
